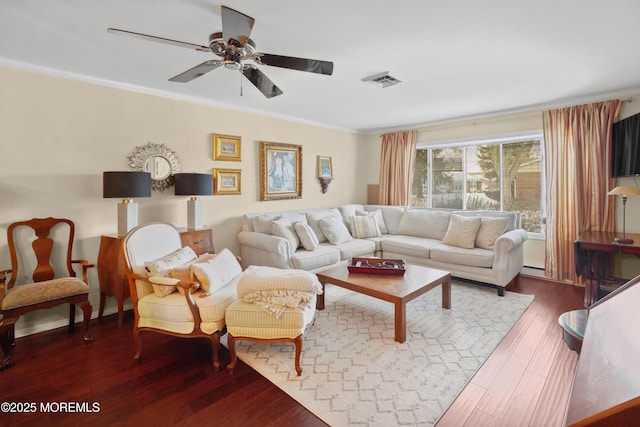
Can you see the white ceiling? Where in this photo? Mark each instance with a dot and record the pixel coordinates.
(456, 59)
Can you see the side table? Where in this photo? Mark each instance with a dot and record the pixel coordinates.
(573, 324)
(113, 281)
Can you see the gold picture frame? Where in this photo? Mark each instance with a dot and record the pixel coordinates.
(325, 167)
(280, 171)
(227, 181)
(226, 147)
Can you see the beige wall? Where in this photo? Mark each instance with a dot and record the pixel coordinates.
(59, 135)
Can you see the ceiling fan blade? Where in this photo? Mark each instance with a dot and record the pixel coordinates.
(196, 71)
(236, 26)
(160, 39)
(300, 64)
(262, 82)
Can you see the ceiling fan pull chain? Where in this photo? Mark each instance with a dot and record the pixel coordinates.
(241, 81)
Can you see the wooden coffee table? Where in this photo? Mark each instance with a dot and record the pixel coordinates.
(398, 290)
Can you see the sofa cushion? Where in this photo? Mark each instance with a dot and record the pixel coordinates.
(475, 257)
(322, 256)
(419, 247)
(363, 226)
(314, 216)
(490, 230)
(355, 248)
(424, 223)
(307, 237)
(282, 227)
(462, 231)
(335, 230)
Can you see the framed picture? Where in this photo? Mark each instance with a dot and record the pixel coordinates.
(226, 181)
(280, 171)
(226, 147)
(325, 169)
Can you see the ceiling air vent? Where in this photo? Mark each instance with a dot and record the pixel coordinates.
(383, 79)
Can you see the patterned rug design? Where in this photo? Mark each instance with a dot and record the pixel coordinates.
(355, 374)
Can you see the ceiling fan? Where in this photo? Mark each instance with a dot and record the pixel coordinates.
(235, 48)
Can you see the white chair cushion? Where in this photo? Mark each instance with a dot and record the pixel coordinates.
(171, 313)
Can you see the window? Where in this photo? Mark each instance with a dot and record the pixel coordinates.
(505, 174)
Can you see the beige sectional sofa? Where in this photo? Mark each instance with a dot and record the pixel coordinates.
(484, 246)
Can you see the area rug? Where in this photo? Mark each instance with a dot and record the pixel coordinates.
(355, 374)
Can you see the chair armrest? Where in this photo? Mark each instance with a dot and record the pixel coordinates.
(264, 249)
(3, 282)
(85, 266)
(187, 286)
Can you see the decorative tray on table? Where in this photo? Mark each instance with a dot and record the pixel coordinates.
(376, 266)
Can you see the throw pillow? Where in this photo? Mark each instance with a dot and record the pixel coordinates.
(364, 226)
(490, 230)
(262, 223)
(283, 228)
(335, 230)
(217, 272)
(462, 231)
(161, 267)
(307, 237)
(184, 272)
(378, 214)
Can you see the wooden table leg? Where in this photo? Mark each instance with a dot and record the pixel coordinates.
(400, 321)
(446, 292)
(320, 299)
(103, 298)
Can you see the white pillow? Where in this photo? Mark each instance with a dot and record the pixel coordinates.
(490, 230)
(282, 227)
(262, 223)
(217, 272)
(306, 235)
(378, 214)
(462, 231)
(364, 226)
(161, 267)
(335, 230)
(424, 223)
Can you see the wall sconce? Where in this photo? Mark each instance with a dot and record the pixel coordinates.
(325, 172)
(126, 185)
(324, 184)
(624, 192)
(194, 185)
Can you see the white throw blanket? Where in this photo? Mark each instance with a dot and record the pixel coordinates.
(275, 289)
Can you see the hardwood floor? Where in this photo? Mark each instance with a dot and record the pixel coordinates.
(526, 380)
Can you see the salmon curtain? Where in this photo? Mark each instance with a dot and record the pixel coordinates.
(396, 167)
(578, 173)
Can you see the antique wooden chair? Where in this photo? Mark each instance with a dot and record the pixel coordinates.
(153, 254)
(53, 281)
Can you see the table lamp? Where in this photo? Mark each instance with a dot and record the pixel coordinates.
(194, 185)
(126, 185)
(624, 192)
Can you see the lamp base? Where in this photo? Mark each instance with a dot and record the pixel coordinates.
(624, 240)
(194, 214)
(127, 216)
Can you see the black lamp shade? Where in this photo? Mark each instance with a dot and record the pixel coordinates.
(126, 184)
(194, 184)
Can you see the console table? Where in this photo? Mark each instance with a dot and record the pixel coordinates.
(594, 251)
(111, 276)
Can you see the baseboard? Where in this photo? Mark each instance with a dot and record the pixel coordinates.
(63, 322)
